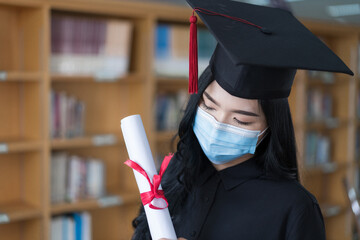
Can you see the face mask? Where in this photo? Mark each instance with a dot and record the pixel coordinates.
(222, 142)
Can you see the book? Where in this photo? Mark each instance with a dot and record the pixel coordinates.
(172, 49)
(317, 149)
(67, 117)
(74, 226)
(75, 178)
(169, 108)
(87, 45)
(319, 105)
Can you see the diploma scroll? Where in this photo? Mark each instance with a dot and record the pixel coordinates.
(138, 148)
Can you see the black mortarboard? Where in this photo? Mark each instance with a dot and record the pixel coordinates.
(260, 48)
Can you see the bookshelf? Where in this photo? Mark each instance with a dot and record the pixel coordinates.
(26, 148)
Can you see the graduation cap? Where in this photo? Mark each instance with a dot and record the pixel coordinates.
(259, 49)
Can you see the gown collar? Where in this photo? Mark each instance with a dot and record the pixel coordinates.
(235, 175)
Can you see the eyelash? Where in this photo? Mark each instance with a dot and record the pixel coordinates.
(241, 123)
(236, 120)
(206, 107)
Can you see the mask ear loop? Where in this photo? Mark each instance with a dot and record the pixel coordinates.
(263, 136)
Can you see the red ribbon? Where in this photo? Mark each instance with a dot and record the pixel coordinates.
(147, 197)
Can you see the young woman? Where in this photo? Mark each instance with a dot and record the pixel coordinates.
(255, 196)
(235, 173)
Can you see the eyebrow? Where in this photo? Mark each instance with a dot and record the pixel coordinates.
(234, 111)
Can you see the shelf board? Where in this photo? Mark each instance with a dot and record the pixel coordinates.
(91, 204)
(14, 76)
(330, 123)
(63, 78)
(17, 211)
(88, 141)
(326, 168)
(14, 146)
(321, 168)
(324, 82)
(331, 210)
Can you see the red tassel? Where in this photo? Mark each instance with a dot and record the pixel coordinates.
(193, 56)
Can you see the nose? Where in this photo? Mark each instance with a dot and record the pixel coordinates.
(220, 116)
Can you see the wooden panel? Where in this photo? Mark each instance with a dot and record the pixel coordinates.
(11, 174)
(120, 227)
(9, 111)
(26, 230)
(21, 113)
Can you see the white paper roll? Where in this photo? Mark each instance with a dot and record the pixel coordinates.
(138, 148)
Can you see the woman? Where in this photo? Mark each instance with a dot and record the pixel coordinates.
(234, 174)
(276, 205)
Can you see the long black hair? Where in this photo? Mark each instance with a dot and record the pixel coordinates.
(278, 151)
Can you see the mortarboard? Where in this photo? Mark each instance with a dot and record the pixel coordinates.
(259, 49)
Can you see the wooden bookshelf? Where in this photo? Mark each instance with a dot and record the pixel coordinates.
(25, 146)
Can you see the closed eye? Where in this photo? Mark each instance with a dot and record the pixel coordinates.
(241, 122)
(206, 107)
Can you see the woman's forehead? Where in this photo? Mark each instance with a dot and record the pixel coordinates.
(226, 100)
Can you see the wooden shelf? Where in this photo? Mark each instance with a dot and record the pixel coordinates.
(17, 211)
(89, 141)
(15, 146)
(26, 43)
(20, 76)
(91, 204)
(128, 79)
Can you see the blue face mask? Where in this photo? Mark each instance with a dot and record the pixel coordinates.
(222, 142)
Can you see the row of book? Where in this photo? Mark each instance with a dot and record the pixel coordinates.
(319, 105)
(75, 226)
(317, 149)
(172, 49)
(67, 116)
(74, 178)
(89, 45)
(169, 109)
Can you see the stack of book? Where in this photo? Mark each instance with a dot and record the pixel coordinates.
(319, 105)
(75, 226)
(75, 178)
(84, 45)
(317, 149)
(67, 116)
(169, 110)
(172, 50)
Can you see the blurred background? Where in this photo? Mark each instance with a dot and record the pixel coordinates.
(70, 70)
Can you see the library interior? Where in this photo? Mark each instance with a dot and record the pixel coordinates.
(70, 70)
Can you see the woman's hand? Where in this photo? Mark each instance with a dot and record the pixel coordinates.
(169, 239)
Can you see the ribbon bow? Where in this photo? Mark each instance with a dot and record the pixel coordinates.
(147, 197)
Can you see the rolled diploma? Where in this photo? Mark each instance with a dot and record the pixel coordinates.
(138, 148)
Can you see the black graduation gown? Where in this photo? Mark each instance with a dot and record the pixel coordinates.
(241, 202)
